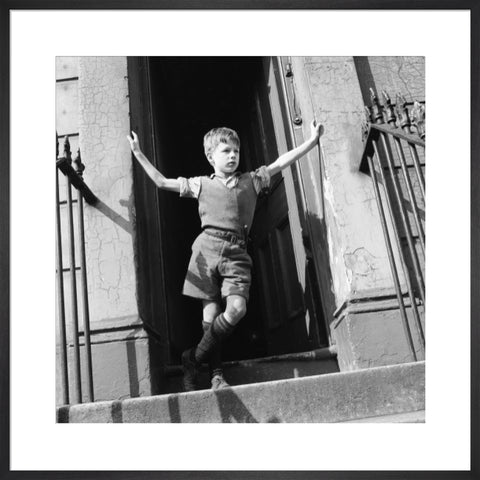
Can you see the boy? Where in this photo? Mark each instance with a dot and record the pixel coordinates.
(219, 272)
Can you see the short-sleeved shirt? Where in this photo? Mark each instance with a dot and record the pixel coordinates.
(190, 187)
(227, 203)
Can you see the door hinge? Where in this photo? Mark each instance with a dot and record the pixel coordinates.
(288, 70)
(297, 116)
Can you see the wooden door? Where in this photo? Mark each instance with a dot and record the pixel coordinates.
(280, 316)
(275, 255)
(149, 233)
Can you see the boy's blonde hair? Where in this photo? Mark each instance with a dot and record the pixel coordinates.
(219, 135)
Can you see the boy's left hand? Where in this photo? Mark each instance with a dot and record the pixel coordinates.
(316, 129)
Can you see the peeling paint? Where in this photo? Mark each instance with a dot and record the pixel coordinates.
(357, 252)
(103, 125)
(360, 262)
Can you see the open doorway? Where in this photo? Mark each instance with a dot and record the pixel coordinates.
(189, 96)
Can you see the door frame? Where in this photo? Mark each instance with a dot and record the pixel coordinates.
(148, 240)
(302, 236)
(284, 143)
(151, 273)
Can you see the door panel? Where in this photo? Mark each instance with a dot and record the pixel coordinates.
(306, 177)
(281, 292)
(292, 298)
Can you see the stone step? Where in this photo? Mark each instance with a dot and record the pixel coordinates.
(336, 397)
(278, 367)
(409, 417)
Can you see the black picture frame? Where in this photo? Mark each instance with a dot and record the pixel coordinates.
(9, 5)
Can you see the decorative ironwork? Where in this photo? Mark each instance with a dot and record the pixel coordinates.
(418, 118)
(64, 164)
(67, 152)
(391, 258)
(79, 166)
(366, 124)
(376, 108)
(389, 109)
(402, 113)
(73, 281)
(74, 176)
(61, 298)
(389, 143)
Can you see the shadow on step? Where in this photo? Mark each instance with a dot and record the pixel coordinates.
(281, 367)
(230, 407)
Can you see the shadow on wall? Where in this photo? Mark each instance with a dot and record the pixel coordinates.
(127, 226)
(115, 217)
(133, 380)
(318, 249)
(322, 254)
(365, 75)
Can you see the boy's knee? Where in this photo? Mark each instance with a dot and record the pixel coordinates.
(210, 311)
(236, 308)
(209, 317)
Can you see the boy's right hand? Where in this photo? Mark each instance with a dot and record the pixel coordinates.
(134, 144)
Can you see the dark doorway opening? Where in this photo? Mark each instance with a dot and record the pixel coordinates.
(189, 97)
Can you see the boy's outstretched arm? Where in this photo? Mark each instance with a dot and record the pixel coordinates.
(171, 184)
(285, 160)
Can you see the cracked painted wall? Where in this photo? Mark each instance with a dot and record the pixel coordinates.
(405, 75)
(103, 126)
(334, 90)
(329, 87)
(92, 108)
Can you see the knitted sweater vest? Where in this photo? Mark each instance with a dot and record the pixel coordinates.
(227, 208)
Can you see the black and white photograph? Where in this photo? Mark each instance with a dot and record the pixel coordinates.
(242, 258)
(244, 241)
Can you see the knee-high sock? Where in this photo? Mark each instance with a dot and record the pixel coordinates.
(212, 338)
(215, 360)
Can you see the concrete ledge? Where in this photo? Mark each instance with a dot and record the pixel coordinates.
(265, 369)
(336, 397)
(367, 339)
(409, 417)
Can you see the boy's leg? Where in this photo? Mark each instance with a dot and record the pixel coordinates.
(221, 328)
(236, 309)
(211, 310)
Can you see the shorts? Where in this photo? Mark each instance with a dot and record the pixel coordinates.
(217, 269)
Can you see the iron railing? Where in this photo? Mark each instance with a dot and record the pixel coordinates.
(394, 157)
(76, 239)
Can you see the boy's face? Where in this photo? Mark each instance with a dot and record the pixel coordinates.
(225, 158)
